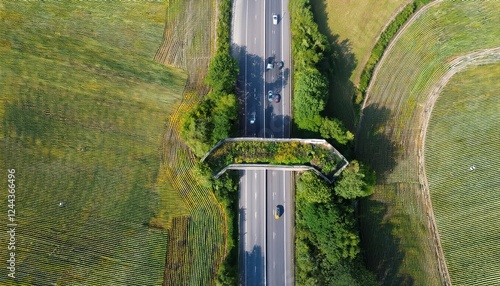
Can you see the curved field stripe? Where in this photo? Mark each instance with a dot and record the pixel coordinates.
(432, 44)
(462, 133)
(189, 44)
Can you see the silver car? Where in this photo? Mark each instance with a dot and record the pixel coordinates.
(251, 118)
(270, 96)
(275, 19)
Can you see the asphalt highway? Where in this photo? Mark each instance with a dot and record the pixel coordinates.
(266, 243)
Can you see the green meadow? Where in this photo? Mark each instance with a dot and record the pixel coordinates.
(462, 162)
(83, 110)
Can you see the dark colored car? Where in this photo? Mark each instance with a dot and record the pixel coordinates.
(281, 64)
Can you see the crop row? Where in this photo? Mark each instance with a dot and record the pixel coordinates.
(205, 235)
(393, 112)
(462, 174)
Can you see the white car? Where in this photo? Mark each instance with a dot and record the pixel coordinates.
(275, 19)
(252, 118)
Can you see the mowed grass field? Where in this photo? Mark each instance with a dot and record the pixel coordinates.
(359, 23)
(462, 133)
(83, 111)
(353, 28)
(396, 221)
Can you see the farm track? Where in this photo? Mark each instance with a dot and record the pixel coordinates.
(409, 118)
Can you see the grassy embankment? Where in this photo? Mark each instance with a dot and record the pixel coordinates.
(352, 28)
(395, 227)
(358, 32)
(463, 132)
(83, 110)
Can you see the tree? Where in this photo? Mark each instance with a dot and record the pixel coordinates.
(357, 180)
(311, 92)
(313, 189)
(334, 129)
(223, 72)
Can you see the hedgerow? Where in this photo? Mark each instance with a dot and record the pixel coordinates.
(385, 38)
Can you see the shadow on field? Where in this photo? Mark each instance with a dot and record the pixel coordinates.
(377, 219)
(373, 143)
(383, 253)
(343, 63)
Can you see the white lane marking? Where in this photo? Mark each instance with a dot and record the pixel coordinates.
(255, 195)
(255, 41)
(255, 215)
(274, 235)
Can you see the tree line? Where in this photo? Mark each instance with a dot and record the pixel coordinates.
(327, 237)
(312, 68)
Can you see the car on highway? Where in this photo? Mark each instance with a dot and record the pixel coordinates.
(277, 98)
(270, 96)
(281, 64)
(275, 19)
(251, 118)
(278, 211)
(270, 64)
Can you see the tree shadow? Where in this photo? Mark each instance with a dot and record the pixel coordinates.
(252, 91)
(342, 64)
(373, 141)
(254, 273)
(382, 249)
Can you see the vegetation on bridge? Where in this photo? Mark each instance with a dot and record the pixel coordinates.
(323, 157)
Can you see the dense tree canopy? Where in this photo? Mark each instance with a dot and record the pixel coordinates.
(311, 93)
(327, 240)
(313, 189)
(334, 129)
(223, 72)
(357, 180)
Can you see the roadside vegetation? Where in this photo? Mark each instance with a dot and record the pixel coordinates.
(462, 169)
(202, 125)
(397, 224)
(312, 67)
(83, 107)
(327, 236)
(214, 118)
